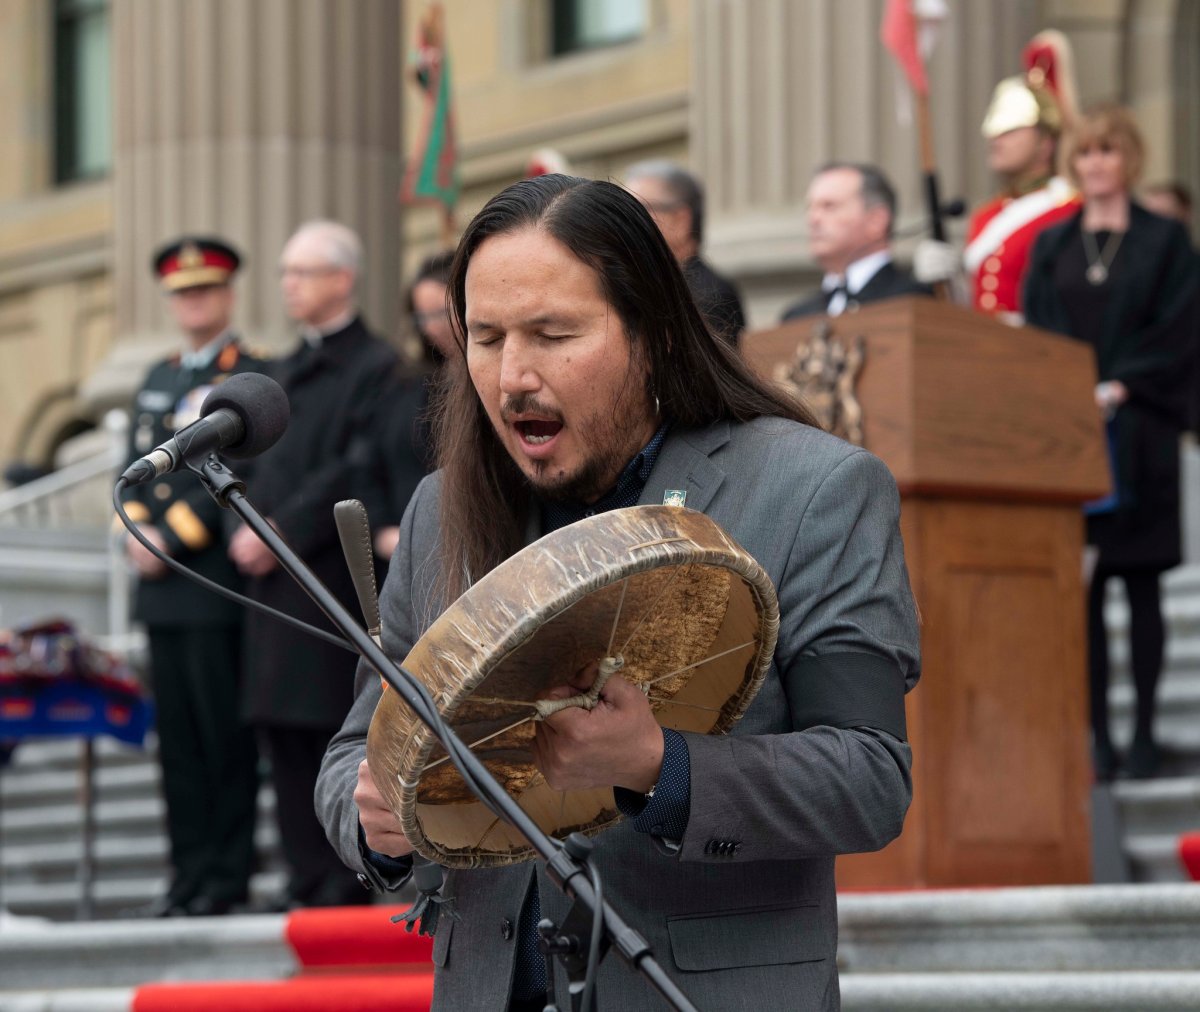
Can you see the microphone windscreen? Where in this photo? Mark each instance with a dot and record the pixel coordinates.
(260, 403)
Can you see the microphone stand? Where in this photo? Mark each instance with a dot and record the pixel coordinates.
(565, 864)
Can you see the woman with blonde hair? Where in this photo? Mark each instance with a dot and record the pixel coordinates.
(1123, 280)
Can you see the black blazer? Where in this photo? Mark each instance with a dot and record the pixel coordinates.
(1147, 343)
(888, 282)
(717, 299)
(337, 393)
(187, 517)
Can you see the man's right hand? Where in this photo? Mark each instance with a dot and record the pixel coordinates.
(381, 828)
(934, 261)
(148, 565)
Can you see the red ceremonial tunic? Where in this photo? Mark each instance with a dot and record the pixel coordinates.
(1000, 239)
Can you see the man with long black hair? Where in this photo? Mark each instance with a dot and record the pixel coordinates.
(587, 380)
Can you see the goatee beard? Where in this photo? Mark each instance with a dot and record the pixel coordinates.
(614, 441)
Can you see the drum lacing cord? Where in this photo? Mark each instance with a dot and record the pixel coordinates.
(609, 666)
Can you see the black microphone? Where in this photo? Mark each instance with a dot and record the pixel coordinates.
(241, 417)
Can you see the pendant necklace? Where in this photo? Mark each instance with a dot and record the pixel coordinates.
(1099, 260)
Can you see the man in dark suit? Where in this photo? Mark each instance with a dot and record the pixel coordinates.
(851, 210)
(208, 758)
(675, 200)
(298, 689)
(591, 383)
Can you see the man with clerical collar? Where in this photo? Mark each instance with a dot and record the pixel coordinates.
(850, 211)
(299, 689)
(207, 755)
(585, 379)
(1023, 124)
(675, 200)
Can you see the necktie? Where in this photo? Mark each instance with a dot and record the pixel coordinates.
(836, 298)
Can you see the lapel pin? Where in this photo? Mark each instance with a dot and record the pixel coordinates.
(675, 497)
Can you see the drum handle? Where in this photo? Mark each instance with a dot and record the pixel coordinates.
(354, 532)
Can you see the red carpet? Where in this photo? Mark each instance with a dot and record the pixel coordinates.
(1189, 854)
(397, 992)
(352, 959)
(356, 937)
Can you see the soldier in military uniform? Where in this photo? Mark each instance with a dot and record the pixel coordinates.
(208, 755)
(1024, 121)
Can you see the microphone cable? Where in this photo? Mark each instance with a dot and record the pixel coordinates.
(428, 712)
(212, 585)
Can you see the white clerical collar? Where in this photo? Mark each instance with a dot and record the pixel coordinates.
(206, 354)
(315, 335)
(858, 273)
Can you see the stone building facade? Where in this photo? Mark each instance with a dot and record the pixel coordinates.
(248, 118)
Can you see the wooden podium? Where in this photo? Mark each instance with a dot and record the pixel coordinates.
(994, 439)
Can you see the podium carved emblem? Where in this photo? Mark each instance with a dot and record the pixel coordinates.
(823, 373)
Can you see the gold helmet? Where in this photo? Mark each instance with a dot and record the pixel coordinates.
(1043, 96)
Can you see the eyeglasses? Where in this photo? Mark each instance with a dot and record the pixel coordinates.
(290, 271)
(423, 318)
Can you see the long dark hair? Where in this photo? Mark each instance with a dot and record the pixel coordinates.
(697, 378)
(420, 357)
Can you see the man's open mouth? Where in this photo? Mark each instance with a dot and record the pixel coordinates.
(537, 431)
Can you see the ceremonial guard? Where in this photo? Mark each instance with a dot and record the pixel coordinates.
(207, 754)
(1022, 126)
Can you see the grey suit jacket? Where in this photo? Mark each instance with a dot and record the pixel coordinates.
(807, 774)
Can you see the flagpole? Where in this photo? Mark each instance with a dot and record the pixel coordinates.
(933, 200)
(899, 35)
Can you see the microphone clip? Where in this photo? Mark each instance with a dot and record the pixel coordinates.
(218, 480)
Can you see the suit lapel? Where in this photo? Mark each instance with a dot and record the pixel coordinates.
(878, 286)
(685, 463)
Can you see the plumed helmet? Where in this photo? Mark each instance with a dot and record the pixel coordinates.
(1043, 95)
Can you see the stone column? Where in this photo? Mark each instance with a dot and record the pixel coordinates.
(780, 87)
(246, 119)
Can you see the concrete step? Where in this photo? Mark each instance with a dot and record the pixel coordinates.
(84, 999)
(1169, 806)
(1110, 992)
(65, 753)
(121, 953)
(111, 897)
(1177, 719)
(1041, 992)
(1153, 814)
(30, 787)
(1154, 858)
(1049, 929)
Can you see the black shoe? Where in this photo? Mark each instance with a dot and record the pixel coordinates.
(164, 906)
(1104, 761)
(1144, 759)
(207, 906)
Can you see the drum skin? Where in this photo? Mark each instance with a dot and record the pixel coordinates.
(691, 616)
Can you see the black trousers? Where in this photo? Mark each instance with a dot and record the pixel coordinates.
(316, 875)
(1147, 643)
(209, 761)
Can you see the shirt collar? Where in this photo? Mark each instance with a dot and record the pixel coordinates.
(316, 335)
(206, 354)
(626, 492)
(858, 273)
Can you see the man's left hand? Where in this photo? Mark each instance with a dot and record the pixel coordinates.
(616, 744)
(248, 552)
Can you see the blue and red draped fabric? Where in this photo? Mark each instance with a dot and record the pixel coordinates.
(52, 683)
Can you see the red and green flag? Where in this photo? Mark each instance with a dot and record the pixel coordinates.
(432, 173)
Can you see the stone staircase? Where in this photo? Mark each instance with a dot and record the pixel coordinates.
(1101, 948)
(41, 830)
(1106, 947)
(1153, 813)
